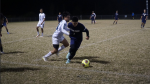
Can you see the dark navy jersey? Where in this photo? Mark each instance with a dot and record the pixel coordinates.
(76, 32)
(144, 16)
(5, 19)
(59, 17)
(116, 15)
(92, 16)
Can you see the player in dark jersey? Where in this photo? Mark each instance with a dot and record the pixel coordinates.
(132, 15)
(59, 17)
(76, 37)
(4, 24)
(143, 18)
(116, 17)
(1, 22)
(92, 17)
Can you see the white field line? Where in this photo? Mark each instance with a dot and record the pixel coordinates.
(86, 70)
(98, 42)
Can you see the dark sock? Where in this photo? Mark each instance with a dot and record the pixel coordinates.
(1, 49)
(116, 22)
(7, 30)
(72, 53)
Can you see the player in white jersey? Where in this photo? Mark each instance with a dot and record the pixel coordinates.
(58, 37)
(41, 22)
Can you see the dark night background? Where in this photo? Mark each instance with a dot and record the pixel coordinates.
(30, 8)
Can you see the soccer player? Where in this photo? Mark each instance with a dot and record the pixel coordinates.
(1, 22)
(58, 37)
(95, 16)
(144, 18)
(59, 17)
(4, 24)
(133, 15)
(92, 17)
(40, 23)
(116, 17)
(76, 37)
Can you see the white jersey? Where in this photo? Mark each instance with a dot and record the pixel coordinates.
(41, 17)
(61, 29)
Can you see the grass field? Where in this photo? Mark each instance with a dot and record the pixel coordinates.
(119, 54)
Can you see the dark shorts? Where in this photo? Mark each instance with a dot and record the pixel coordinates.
(75, 43)
(92, 19)
(116, 18)
(4, 24)
(59, 20)
(56, 46)
(144, 21)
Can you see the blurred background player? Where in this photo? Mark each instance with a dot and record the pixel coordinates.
(116, 17)
(144, 18)
(76, 37)
(92, 17)
(58, 37)
(59, 17)
(40, 23)
(4, 24)
(95, 15)
(132, 15)
(1, 22)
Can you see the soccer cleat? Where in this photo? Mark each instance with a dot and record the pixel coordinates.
(2, 52)
(38, 35)
(67, 57)
(68, 61)
(7, 32)
(44, 58)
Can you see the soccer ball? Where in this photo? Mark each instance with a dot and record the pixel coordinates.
(86, 63)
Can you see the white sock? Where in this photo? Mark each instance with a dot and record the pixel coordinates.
(48, 54)
(37, 33)
(61, 48)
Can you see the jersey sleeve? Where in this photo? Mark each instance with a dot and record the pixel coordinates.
(44, 15)
(64, 29)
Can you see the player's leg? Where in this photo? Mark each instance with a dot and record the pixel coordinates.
(37, 28)
(116, 21)
(6, 27)
(55, 50)
(42, 29)
(73, 49)
(1, 47)
(65, 44)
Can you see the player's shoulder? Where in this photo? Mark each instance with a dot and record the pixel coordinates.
(81, 25)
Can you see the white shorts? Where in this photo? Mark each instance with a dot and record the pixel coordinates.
(56, 41)
(39, 24)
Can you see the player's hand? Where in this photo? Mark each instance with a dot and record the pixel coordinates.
(87, 38)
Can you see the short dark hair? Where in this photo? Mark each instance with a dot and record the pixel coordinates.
(1, 16)
(65, 14)
(75, 19)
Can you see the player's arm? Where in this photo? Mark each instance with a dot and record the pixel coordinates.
(6, 20)
(64, 30)
(141, 17)
(87, 33)
(146, 18)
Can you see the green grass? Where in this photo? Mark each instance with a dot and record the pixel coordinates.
(119, 54)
